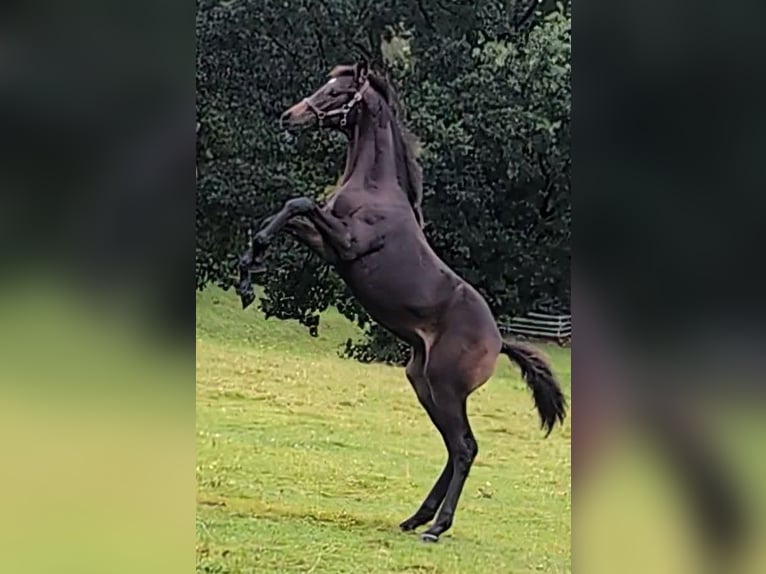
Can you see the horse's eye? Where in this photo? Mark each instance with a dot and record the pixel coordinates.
(334, 93)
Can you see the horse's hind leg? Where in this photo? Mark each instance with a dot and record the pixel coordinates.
(429, 507)
(463, 449)
(454, 371)
(433, 500)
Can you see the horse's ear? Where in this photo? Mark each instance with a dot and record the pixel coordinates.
(361, 71)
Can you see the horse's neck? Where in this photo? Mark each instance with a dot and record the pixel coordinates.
(371, 157)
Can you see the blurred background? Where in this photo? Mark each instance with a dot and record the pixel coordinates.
(668, 358)
(96, 240)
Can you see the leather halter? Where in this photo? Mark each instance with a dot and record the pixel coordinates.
(342, 111)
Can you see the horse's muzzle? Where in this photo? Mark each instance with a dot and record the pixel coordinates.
(297, 115)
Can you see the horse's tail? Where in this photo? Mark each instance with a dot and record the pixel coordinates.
(549, 400)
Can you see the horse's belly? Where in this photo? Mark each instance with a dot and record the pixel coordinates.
(403, 296)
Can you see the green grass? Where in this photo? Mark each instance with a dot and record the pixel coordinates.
(307, 462)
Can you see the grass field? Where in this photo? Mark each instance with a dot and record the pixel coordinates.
(307, 462)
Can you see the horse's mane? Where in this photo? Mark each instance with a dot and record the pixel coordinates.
(405, 142)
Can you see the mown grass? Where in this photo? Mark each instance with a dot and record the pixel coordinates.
(307, 462)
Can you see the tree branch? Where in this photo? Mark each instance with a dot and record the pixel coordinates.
(425, 15)
(528, 13)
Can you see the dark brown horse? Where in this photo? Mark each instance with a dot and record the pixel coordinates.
(370, 230)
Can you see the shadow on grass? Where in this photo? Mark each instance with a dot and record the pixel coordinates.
(251, 508)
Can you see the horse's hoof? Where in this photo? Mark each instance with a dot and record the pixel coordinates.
(246, 293)
(247, 299)
(408, 525)
(429, 537)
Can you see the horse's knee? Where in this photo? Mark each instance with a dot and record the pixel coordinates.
(299, 205)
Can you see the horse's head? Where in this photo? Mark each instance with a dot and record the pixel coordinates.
(335, 104)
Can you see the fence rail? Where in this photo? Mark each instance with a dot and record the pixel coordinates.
(541, 325)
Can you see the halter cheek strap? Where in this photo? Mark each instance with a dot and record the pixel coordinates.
(342, 111)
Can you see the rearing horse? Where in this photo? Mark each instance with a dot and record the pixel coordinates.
(370, 230)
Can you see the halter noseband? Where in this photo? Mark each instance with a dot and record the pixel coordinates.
(342, 111)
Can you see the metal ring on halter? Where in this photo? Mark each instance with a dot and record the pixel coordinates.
(316, 111)
(344, 110)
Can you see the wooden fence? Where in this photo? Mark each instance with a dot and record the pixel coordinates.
(541, 326)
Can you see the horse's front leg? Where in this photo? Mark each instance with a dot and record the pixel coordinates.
(274, 224)
(252, 260)
(307, 233)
